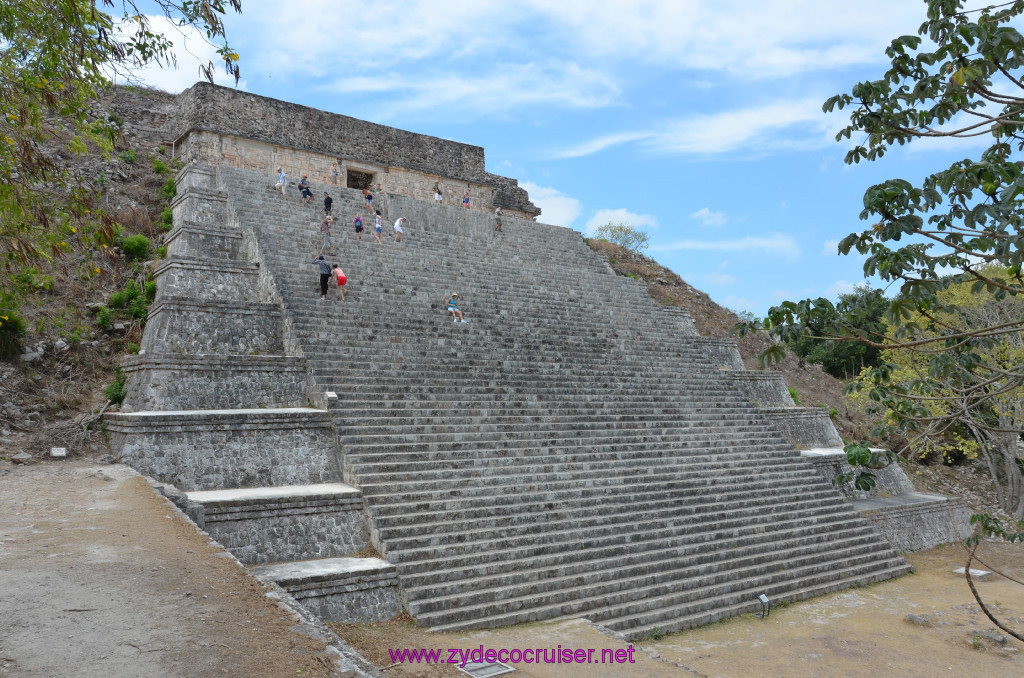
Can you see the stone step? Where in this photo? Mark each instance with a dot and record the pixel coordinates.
(662, 590)
(599, 536)
(285, 523)
(340, 589)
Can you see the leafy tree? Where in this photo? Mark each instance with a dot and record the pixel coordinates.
(55, 55)
(963, 80)
(843, 359)
(988, 431)
(624, 235)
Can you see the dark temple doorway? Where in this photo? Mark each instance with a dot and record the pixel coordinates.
(358, 180)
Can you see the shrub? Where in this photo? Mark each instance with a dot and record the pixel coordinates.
(133, 347)
(161, 252)
(139, 308)
(169, 190)
(160, 167)
(136, 247)
(116, 392)
(150, 289)
(624, 235)
(12, 327)
(794, 395)
(117, 300)
(127, 157)
(167, 219)
(116, 119)
(104, 317)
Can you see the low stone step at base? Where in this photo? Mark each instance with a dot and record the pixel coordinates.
(274, 524)
(915, 521)
(340, 589)
(205, 449)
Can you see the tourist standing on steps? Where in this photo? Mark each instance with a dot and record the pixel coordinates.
(334, 173)
(497, 218)
(328, 204)
(368, 197)
(437, 193)
(325, 232)
(339, 276)
(465, 199)
(358, 224)
(325, 274)
(453, 308)
(398, 229)
(378, 226)
(307, 194)
(282, 181)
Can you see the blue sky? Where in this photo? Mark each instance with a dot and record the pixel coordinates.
(698, 121)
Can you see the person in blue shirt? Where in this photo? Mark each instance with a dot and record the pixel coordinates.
(453, 308)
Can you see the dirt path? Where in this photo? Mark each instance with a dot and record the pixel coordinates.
(100, 577)
(862, 633)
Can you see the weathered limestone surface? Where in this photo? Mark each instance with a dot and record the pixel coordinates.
(191, 240)
(206, 279)
(232, 328)
(220, 125)
(341, 589)
(186, 382)
(914, 522)
(202, 449)
(269, 525)
(804, 427)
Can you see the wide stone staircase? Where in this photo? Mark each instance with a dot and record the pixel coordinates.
(572, 450)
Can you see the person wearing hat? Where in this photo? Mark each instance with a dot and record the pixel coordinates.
(307, 194)
(282, 181)
(453, 308)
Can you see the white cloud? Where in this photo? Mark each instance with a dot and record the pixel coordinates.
(766, 39)
(556, 208)
(191, 50)
(496, 89)
(709, 218)
(735, 303)
(776, 243)
(601, 143)
(830, 248)
(838, 287)
(756, 128)
(719, 278)
(623, 216)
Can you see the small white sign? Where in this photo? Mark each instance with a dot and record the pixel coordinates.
(331, 395)
(58, 452)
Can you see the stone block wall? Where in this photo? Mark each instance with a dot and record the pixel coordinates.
(890, 481)
(360, 597)
(915, 527)
(226, 126)
(199, 205)
(189, 240)
(288, 528)
(226, 328)
(177, 382)
(805, 427)
(203, 279)
(763, 388)
(196, 450)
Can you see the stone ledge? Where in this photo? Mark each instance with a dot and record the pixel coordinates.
(214, 363)
(220, 265)
(192, 192)
(222, 498)
(205, 229)
(917, 521)
(289, 575)
(218, 420)
(234, 307)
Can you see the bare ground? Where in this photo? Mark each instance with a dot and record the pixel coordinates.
(99, 576)
(857, 633)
